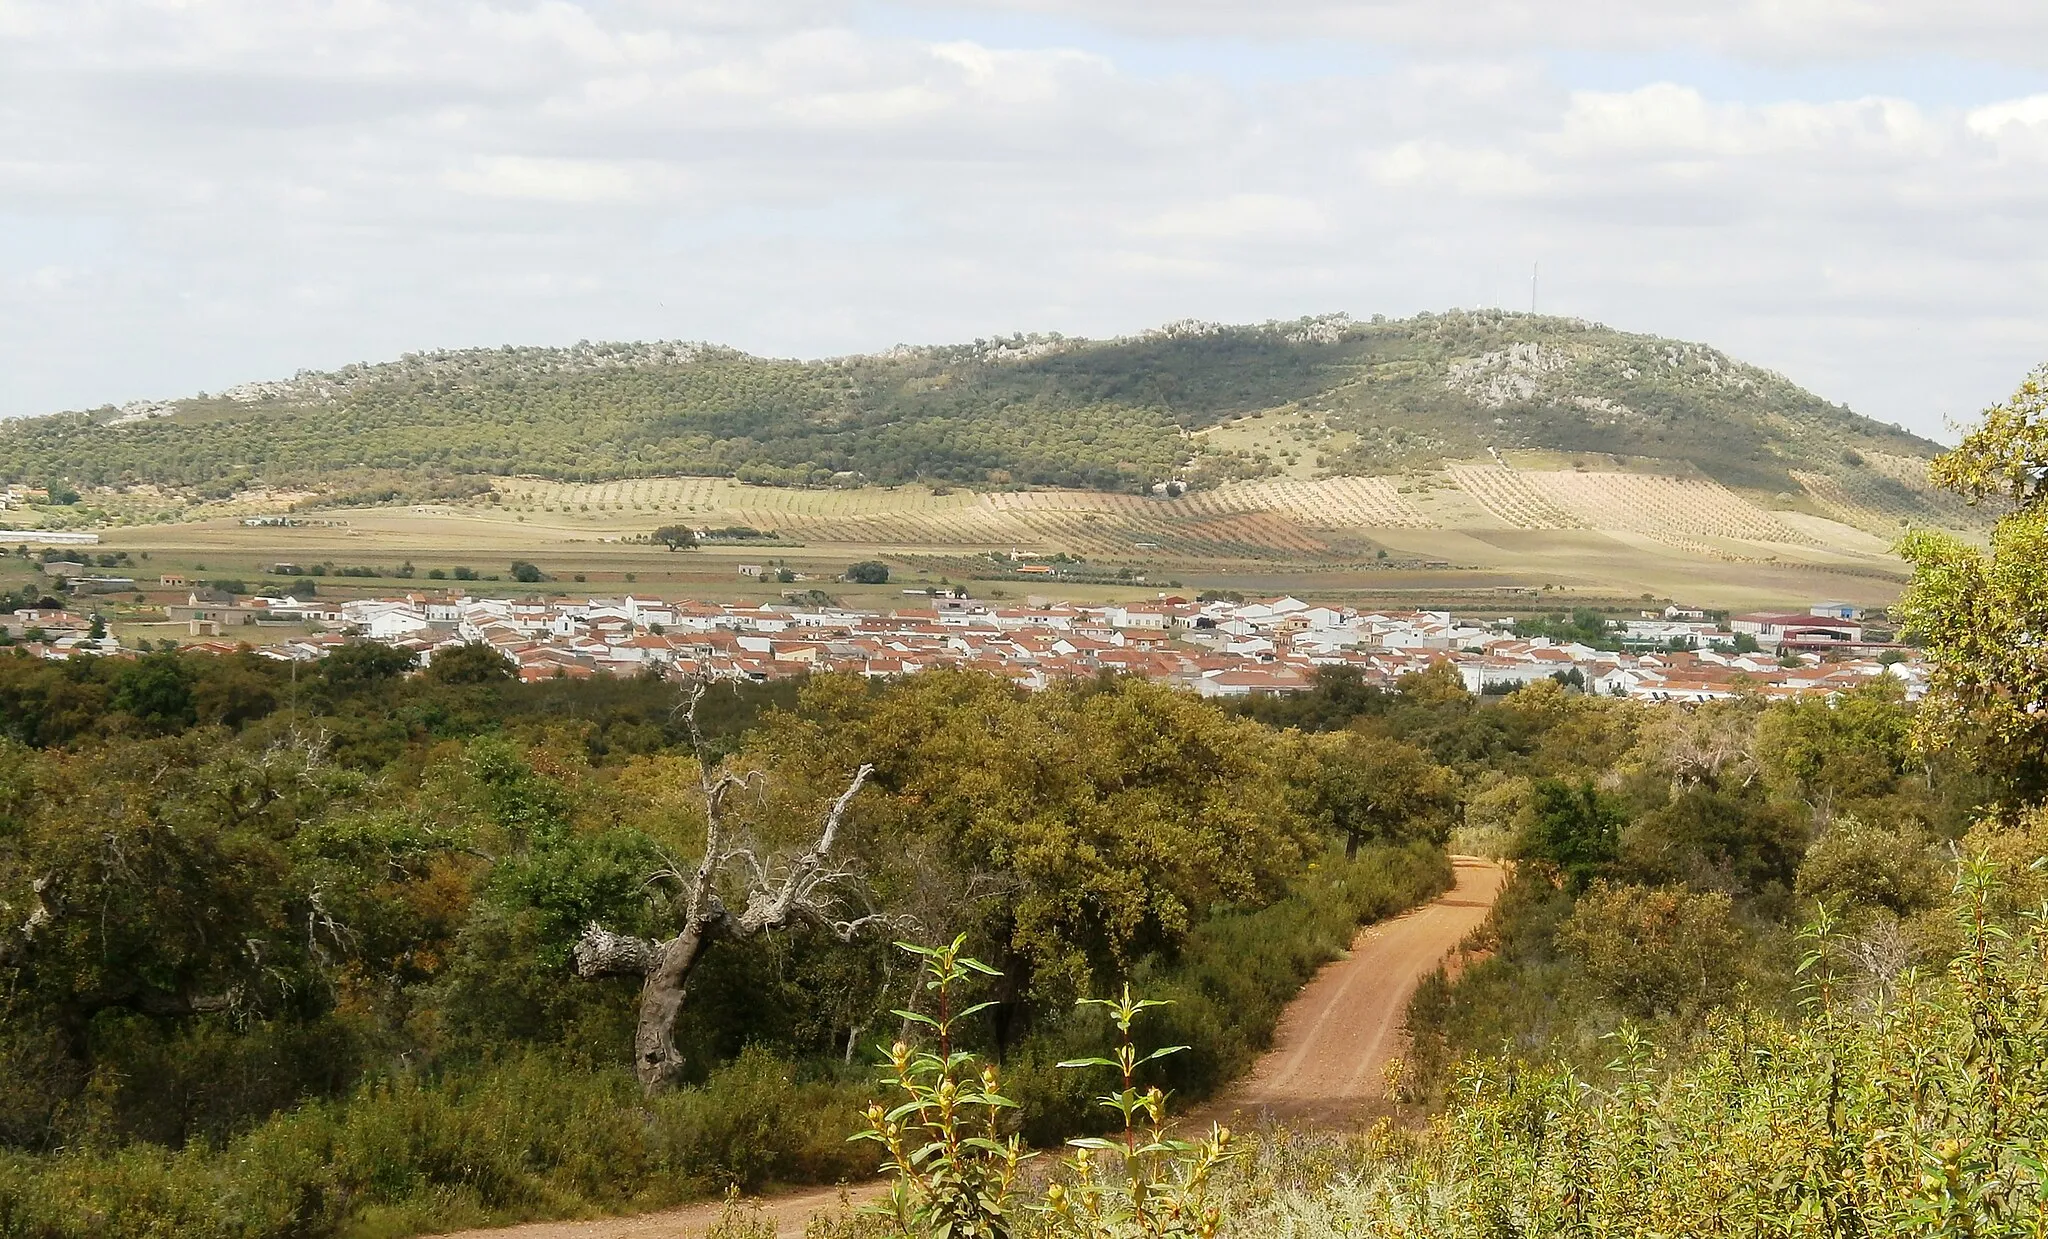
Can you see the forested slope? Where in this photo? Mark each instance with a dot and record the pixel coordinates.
(1040, 410)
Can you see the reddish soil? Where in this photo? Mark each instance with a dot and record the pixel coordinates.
(1330, 1054)
(1325, 1067)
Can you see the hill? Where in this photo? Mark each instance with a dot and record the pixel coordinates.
(1316, 397)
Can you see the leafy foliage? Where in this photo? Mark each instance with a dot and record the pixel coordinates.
(1981, 616)
(1912, 1110)
(348, 897)
(953, 1156)
(1573, 827)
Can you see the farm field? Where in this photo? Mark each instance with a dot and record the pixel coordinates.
(1468, 526)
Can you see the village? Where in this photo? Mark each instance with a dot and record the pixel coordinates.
(1219, 647)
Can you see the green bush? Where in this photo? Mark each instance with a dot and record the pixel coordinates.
(1231, 981)
(526, 1137)
(536, 1134)
(1911, 1107)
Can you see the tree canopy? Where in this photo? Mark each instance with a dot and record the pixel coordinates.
(1982, 613)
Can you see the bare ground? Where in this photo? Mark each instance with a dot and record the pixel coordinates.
(1326, 1065)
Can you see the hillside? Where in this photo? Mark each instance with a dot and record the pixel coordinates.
(1341, 397)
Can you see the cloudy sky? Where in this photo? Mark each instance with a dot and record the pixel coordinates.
(199, 192)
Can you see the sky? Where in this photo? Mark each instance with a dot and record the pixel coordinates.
(196, 193)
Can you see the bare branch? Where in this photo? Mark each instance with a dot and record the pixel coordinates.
(152, 1001)
(39, 917)
(666, 966)
(847, 930)
(716, 785)
(602, 953)
(807, 873)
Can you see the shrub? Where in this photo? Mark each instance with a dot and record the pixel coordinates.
(1656, 949)
(1922, 1116)
(529, 1136)
(1856, 867)
(1572, 826)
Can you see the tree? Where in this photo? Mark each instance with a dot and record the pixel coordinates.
(1338, 695)
(526, 574)
(1857, 746)
(1981, 615)
(2007, 454)
(805, 893)
(1735, 841)
(1572, 826)
(358, 666)
(472, 662)
(1857, 867)
(157, 690)
(869, 572)
(676, 537)
(1439, 685)
(1364, 787)
(1095, 822)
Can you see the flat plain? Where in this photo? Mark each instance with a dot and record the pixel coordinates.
(1460, 534)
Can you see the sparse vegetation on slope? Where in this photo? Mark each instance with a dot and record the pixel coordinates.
(1366, 398)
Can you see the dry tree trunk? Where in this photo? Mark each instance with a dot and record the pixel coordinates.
(804, 893)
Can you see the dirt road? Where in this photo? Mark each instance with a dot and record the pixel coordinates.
(1325, 1065)
(1331, 1049)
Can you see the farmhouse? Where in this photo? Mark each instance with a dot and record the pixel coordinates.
(1775, 630)
(209, 612)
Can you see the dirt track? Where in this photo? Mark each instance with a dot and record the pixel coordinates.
(1325, 1065)
(1332, 1046)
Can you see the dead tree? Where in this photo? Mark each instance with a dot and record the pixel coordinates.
(804, 891)
(16, 943)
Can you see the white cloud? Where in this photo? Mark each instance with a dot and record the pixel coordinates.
(2030, 112)
(1239, 217)
(288, 183)
(546, 180)
(2003, 31)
